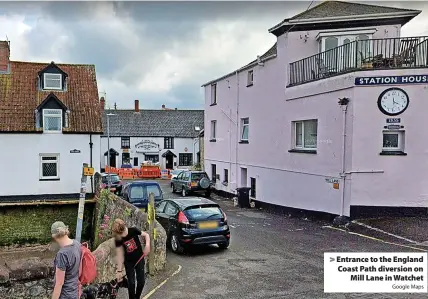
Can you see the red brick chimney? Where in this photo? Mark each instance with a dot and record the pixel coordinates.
(4, 56)
(137, 106)
(102, 103)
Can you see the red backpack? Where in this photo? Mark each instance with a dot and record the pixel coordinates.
(88, 266)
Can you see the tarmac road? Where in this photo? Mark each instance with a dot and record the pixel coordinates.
(270, 256)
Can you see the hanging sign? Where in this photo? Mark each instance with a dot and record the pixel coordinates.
(382, 80)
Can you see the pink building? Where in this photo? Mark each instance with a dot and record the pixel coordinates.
(330, 119)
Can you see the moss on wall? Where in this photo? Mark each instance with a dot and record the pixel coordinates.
(31, 224)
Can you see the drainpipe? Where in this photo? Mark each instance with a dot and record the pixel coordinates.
(344, 103)
(90, 160)
(237, 127)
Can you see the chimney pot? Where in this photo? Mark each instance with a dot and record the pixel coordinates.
(137, 106)
(4, 56)
(103, 103)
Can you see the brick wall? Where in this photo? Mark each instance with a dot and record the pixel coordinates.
(30, 224)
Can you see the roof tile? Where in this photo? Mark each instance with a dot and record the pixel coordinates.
(20, 95)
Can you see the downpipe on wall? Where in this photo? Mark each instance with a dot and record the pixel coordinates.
(343, 220)
(237, 130)
(91, 145)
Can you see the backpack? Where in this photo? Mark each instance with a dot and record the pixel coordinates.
(88, 266)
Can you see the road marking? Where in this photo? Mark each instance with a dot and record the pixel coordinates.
(375, 239)
(382, 231)
(162, 283)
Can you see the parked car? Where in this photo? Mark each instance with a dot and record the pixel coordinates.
(137, 193)
(193, 221)
(174, 173)
(115, 185)
(191, 181)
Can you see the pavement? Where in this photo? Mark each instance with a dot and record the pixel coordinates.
(270, 256)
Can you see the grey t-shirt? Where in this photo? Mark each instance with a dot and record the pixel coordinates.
(68, 260)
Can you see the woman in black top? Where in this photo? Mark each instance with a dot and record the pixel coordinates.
(130, 252)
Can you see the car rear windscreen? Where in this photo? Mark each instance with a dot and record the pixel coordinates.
(204, 213)
(114, 178)
(153, 188)
(198, 176)
(137, 192)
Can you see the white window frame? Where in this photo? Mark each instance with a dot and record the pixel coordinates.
(250, 77)
(50, 87)
(243, 125)
(302, 146)
(400, 147)
(213, 93)
(341, 37)
(213, 130)
(41, 162)
(52, 115)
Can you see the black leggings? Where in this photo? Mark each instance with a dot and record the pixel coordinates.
(139, 273)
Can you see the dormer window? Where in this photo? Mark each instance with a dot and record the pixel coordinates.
(52, 81)
(52, 115)
(52, 78)
(52, 120)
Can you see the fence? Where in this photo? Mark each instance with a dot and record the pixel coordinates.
(409, 52)
(145, 172)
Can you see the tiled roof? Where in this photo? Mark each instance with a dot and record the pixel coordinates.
(20, 95)
(270, 52)
(329, 9)
(154, 123)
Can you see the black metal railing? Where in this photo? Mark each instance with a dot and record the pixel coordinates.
(409, 52)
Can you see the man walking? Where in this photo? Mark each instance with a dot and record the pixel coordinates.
(130, 252)
(67, 263)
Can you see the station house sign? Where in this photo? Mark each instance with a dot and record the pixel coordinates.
(381, 80)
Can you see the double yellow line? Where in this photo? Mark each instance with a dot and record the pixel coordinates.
(376, 239)
(162, 283)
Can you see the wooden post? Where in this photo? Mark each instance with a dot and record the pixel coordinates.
(151, 220)
(81, 208)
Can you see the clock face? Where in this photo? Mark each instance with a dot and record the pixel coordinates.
(393, 101)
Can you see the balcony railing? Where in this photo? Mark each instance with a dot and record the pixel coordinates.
(370, 54)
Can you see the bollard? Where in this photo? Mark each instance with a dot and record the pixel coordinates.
(151, 219)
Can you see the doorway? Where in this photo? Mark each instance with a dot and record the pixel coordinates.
(112, 160)
(243, 177)
(169, 159)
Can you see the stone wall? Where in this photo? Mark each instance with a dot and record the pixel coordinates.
(108, 208)
(29, 223)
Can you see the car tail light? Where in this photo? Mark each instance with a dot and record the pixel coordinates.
(182, 218)
(225, 217)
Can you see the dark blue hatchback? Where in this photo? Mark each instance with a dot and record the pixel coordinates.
(137, 193)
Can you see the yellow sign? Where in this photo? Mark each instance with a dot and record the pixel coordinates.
(150, 213)
(88, 171)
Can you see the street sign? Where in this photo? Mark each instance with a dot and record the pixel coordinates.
(88, 171)
(332, 180)
(74, 151)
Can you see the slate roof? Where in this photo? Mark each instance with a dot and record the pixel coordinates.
(268, 54)
(154, 123)
(329, 9)
(20, 95)
(340, 9)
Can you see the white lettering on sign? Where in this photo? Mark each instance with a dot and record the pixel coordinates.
(332, 180)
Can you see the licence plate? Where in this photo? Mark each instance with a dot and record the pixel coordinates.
(208, 225)
(194, 184)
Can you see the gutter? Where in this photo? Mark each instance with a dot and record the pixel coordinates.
(345, 18)
(248, 66)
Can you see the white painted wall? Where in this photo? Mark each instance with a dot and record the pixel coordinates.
(180, 145)
(20, 162)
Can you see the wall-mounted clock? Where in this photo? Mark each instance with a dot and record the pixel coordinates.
(393, 101)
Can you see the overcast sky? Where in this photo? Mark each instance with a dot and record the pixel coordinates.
(156, 52)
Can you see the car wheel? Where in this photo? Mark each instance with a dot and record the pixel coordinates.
(173, 188)
(223, 245)
(183, 191)
(175, 244)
